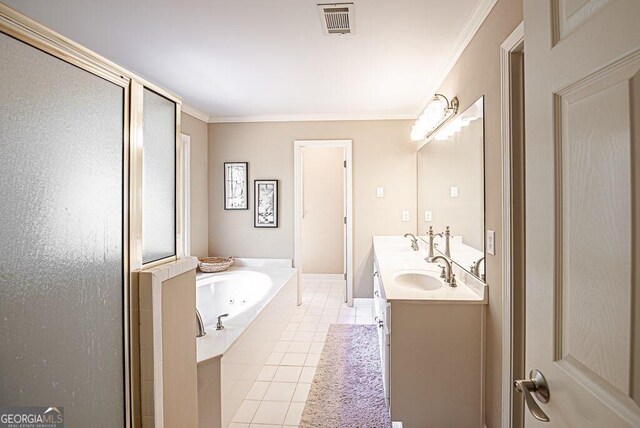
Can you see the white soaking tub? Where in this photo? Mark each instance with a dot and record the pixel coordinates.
(237, 292)
(260, 297)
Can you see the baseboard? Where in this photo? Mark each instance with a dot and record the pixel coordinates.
(323, 276)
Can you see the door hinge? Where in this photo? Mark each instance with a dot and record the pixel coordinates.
(345, 164)
(345, 220)
(345, 276)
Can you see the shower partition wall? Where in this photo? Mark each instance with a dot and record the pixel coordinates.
(71, 203)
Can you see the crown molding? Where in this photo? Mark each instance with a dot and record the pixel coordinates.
(198, 114)
(468, 31)
(310, 117)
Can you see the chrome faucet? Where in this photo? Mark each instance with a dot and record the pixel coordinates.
(200, 331)
(219, 325)
(475, 268)
(414, 241)
(447, 271)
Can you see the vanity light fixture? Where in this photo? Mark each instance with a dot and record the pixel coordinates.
(452, 127)
(472, 113)
(434, 116)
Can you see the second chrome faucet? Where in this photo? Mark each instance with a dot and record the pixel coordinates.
(447, 271)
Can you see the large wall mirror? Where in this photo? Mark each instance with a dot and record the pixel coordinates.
(451, 188)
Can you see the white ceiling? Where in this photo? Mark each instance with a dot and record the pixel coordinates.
(269, 60)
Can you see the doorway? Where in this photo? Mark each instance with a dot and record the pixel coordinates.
(513, 215)
(323, 212)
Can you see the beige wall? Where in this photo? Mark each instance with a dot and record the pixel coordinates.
(383, 155)
(197, 130)
(477, 73)
(323, 210)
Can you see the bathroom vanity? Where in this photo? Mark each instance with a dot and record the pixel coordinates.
(431, 337)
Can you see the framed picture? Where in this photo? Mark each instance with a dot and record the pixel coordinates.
(265, 203)
(236, 185)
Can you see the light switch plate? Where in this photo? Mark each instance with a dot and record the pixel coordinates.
(380, 192)
(405, 215)
(454, 191)
(428, 216)
(491, 242)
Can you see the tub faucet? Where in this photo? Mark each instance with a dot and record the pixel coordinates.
(414, 241)
(447, 271)
(219, 325)
(200, 331)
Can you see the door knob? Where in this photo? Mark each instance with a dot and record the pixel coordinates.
(537, 385)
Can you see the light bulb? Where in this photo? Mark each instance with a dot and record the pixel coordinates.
(417, 134)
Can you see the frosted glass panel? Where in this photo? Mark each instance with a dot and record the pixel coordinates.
(61, 258)
(158, 178)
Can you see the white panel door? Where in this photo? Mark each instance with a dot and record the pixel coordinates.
(582, 92)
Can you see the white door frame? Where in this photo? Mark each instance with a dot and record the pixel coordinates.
(186, 194)
(297, 172)
(511, 44)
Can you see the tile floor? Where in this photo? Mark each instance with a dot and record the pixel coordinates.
(278, 396)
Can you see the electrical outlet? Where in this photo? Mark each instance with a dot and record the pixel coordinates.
(454, 191)
(491, 242)
(380, 192)
(428, 216)
(405, 215)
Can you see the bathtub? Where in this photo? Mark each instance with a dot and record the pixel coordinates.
(260, 297)
(238, 293)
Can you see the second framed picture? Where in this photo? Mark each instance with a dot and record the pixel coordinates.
(265, 199)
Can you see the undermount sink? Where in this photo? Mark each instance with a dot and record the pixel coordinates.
(418, 280)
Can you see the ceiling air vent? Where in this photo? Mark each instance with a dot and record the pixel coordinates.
(337, 18)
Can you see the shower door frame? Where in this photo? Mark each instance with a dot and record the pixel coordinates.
(26, 30)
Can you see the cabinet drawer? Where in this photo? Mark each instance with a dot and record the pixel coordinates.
(376, 294)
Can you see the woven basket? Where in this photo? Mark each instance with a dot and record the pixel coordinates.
(214, 264)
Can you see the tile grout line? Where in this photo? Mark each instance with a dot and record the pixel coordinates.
(316, 299)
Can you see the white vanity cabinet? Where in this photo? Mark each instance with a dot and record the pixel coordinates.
(431, 343)
(381, 319)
